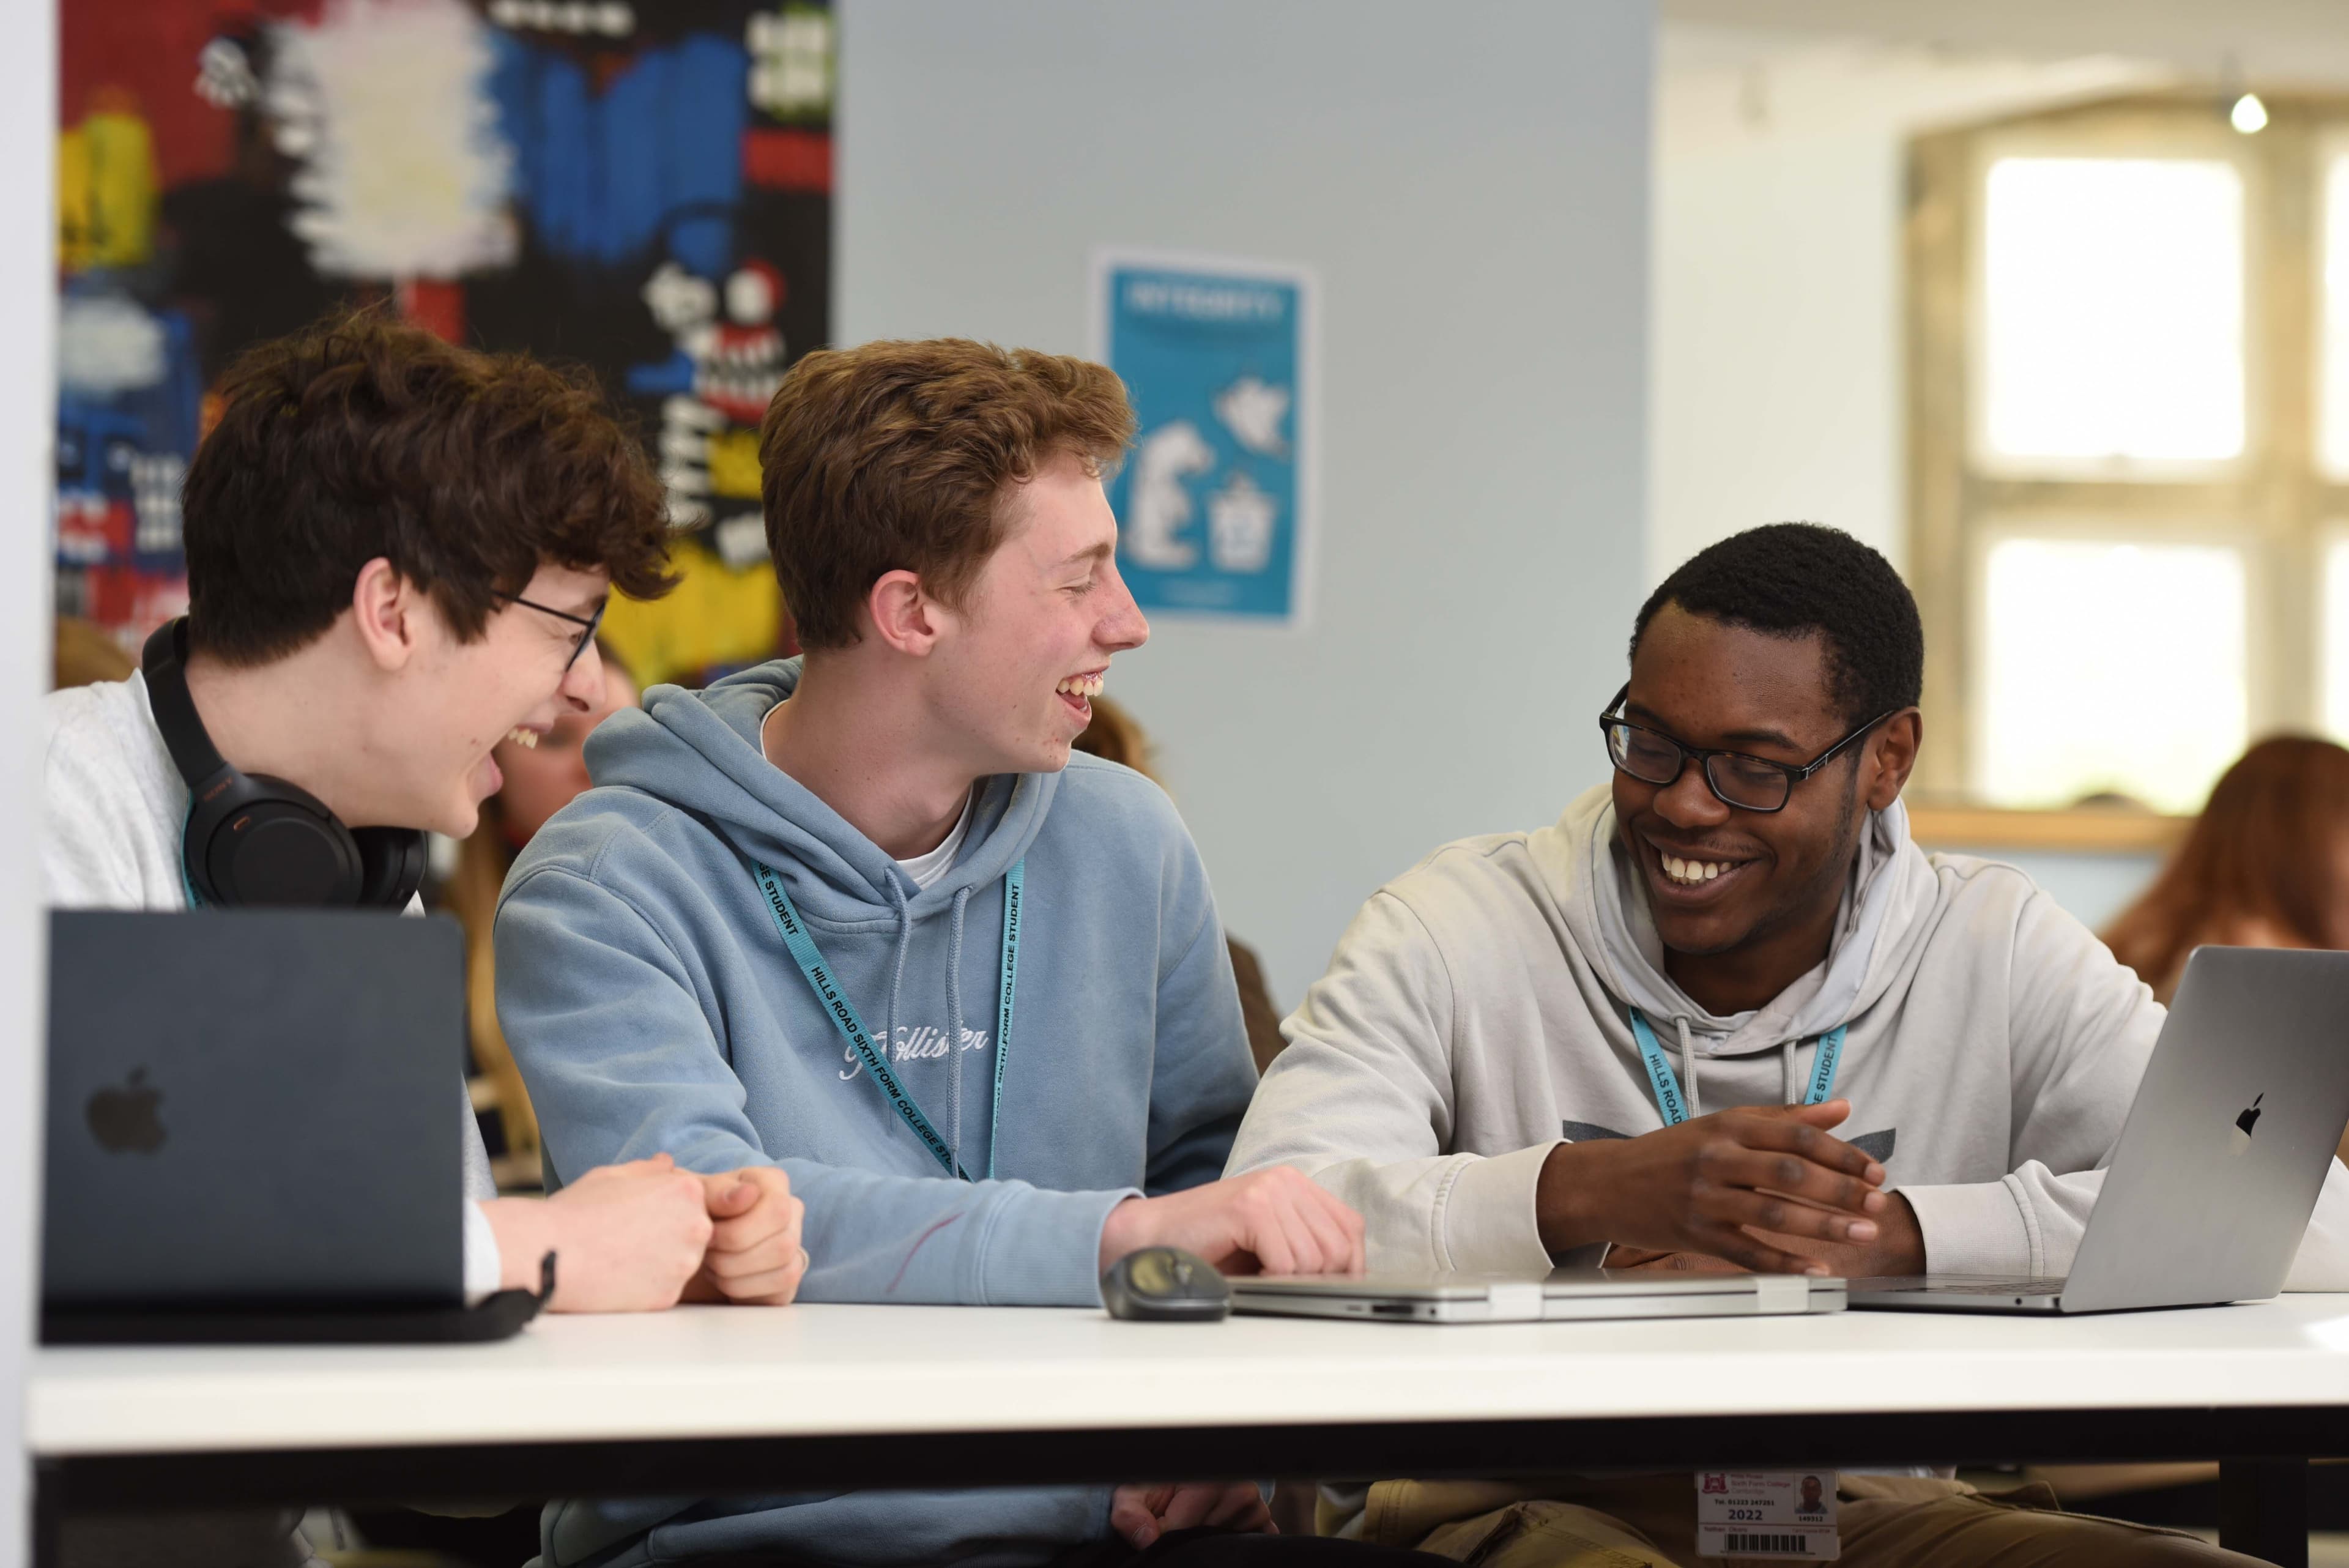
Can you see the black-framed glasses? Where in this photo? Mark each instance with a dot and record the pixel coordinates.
(1749, 783)
(590, 623)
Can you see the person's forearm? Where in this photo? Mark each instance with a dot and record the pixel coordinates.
(525, 1228)
(1900, 1246)
(1569, 1206)
(877, 1236)
(1118, 1235)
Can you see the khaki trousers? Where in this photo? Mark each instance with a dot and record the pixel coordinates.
(1650, 1522)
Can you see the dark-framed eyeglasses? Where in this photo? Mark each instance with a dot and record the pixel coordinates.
(1749, 783)
(589, 624)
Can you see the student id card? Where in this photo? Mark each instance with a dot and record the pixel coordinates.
(1788, 1514)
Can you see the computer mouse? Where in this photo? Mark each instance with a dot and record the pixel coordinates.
(1165, 1285)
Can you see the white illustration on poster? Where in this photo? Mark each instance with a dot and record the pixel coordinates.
(1252, 409)
(1160, 506)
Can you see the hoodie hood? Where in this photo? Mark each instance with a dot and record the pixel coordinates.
(1607, 908)
(699, 750)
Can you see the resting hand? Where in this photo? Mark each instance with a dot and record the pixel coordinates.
(1741, 1185)
(1144, 1514)
(1898, 1249)
(754, 1255)
(1273, 1221)
(1648, 1259)
(625, 1238)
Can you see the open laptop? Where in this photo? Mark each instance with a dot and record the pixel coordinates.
(2219, 1163)
(1565, 1293)
(253, 1124)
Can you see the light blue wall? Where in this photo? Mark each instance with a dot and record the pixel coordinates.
(1472, 185)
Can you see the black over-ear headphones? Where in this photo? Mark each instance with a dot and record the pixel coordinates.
(254, 839)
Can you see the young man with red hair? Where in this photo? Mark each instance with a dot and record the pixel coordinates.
(862, 916)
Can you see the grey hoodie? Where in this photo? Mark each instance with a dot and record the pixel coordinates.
(1474, 1015)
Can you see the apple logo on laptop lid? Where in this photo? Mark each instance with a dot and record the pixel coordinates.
(2245, 1123)
(123, 1120)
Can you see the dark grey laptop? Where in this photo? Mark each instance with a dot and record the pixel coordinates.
(254, 1110)
(2219, 1163)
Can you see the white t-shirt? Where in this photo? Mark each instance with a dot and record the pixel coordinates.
(927, 868)
(117, 811)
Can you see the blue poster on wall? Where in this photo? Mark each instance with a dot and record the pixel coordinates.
(1213, 506)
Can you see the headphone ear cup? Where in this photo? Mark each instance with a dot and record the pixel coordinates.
(392, 863)
(254, 839)
(256, 846)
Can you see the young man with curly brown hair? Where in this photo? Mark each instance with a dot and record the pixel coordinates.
(398, 551)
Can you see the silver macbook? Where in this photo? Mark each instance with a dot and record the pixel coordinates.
(1565, 1293)
(2219, 1164)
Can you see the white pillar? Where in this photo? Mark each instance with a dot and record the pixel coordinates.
(29, 118)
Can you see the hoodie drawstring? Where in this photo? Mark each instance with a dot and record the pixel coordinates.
(898, 976)
(954, 1024)
(1790, 1076)
(1687, 1066)
(1676, 1097)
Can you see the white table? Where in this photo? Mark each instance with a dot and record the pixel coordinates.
(716, 1400)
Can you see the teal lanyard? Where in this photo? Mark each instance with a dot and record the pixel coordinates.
(842, 1014)
(1668, 1087)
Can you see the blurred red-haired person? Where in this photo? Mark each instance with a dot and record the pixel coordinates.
(2265, 866)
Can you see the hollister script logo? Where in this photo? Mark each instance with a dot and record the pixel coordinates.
(919, 1042)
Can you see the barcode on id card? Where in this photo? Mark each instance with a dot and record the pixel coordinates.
(1749, 1542)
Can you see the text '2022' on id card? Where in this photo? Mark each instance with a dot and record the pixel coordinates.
(1788, 1514)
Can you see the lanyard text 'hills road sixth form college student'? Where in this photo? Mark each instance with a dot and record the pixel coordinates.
(843, 1012)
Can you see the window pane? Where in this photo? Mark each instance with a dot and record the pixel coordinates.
(2112, 308)
(2111, 666)
(2332, 438)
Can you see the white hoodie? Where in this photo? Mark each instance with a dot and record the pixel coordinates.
(1474, 1015)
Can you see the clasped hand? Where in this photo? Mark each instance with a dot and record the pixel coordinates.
(1765, 1189)
(642, 1236)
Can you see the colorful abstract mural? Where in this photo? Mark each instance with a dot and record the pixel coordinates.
(644, 188)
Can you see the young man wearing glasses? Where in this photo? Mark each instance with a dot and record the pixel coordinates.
(397, 554)
(1628, 1036)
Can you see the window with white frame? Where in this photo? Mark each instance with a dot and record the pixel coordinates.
(2129, 333)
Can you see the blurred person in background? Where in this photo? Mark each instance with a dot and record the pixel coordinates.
(540, 779)
(84, 655)
(2265, 866)
(1114, 737)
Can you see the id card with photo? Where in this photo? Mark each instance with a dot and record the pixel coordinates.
(1785, 1515)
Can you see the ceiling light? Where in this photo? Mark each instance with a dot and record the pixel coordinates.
(2249, 116)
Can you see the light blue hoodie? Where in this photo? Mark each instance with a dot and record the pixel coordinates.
(653, 1006)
